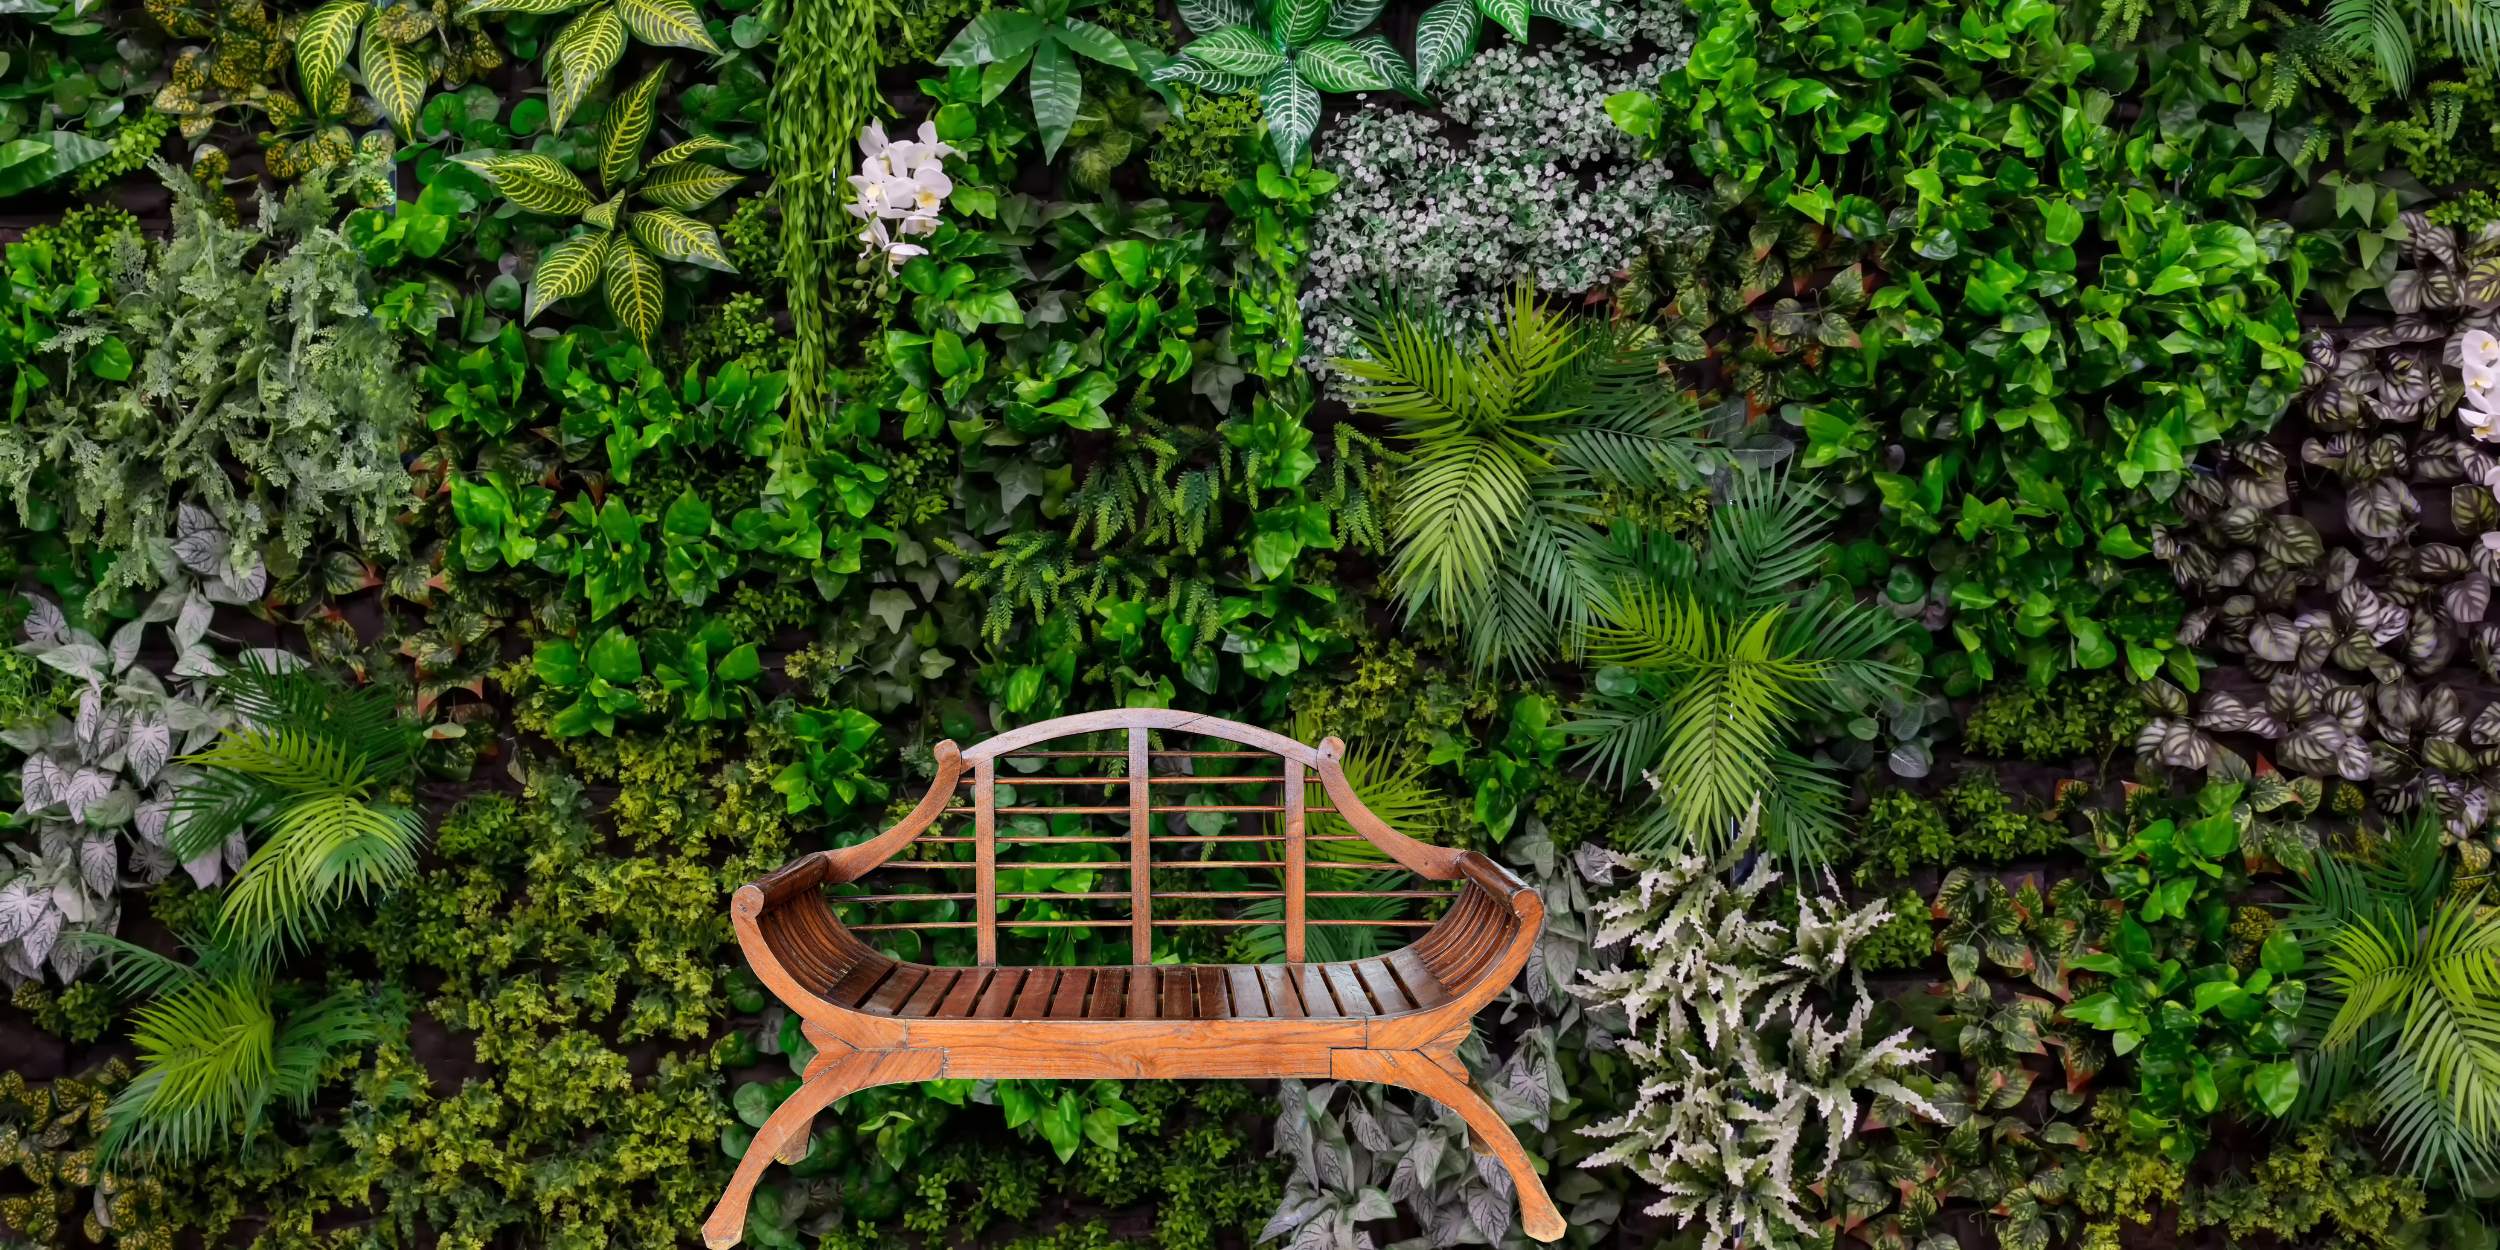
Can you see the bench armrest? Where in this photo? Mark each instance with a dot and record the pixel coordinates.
(1500, 881)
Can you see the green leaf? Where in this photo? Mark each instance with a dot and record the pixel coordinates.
(538, 184)
(395, 76)
(1057, 86)
(2277, 1085)
(743, 663)
(1512, 14)
(1236, 50)
(322, 44)
(1445, 36)
(1202, 16)
(2281, 954)
(994, 36)
(690, 149)
(667, 24)
(1579, 15)
(630, 119)
(1088, 40)
(579, 57)
(1335, 65)
(616, 658)
(565, 270)
(674, 236)
(1298, 21)
(1292, 109)
(634, 292)
(1348, 18)
(1383, 57)
(523, 6)
(687, 186)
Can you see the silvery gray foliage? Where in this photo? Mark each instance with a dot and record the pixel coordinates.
(1741, 1066)
(1529, 177)
(1359, 1152)
(108, 771)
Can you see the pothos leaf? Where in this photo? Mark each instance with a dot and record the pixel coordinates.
(580, 56)
(1334, 65)
(565, 270)
(1056, 85)
(630, 120)
(1445, 36)
(395, 76)
(322, 43)
(539, 184)
(667, 24)
(675, 236)
(634, 293)
(1292, 109)
(688, 185)
(1298, 21)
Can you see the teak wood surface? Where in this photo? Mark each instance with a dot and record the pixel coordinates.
(1397, 1019)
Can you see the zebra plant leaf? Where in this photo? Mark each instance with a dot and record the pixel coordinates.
(539, 184)
(690, 149)
(630, 120)
(667, 24)
(687, 185)
(675, 236)
(1236, 50)
(1512, 14)
(580, 56)
(566, 270)
(1445, 36)
(1201, 16)
(395, 76)
(1182, 69)
(1292, 108)
(1335, 65)
(1348, 18)
(1383, 57)
(634, 293)
(1298, 21)
(1579, 15)
(322, 44)
(523, 6)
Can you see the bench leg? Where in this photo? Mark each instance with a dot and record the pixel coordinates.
(845, 1074)
(1413, 1070)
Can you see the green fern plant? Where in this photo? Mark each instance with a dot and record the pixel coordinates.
(1514, 437)
(2411, 1003)
(220, 1043)
(1711, 661)
(2391, 32)
(306, 767)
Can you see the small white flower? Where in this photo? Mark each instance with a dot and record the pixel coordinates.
(2479, 357)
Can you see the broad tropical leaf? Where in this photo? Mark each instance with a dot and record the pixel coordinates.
(1579, 15)
(1093, 42)
(539, 184)
(579, 58)
(1386, 61)
(703, 145)
(666, 24)
(1057, 86)
(1298, 21)
(1292, 109)
(323, 42)
(1236, 50)
(672, 235)
(634, 290)
(1445, 36)
(1348, 18)
(567, 269)
(993, 36)
(1203, 16)
(688, 185)
(396, 77)
(1182, 69)
(1512, 14)
(1335, 65)
(523, 6)
(630, 119)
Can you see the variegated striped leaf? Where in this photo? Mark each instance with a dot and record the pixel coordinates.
(675, 236)
(395, 76)
(580, 56)
(688, 150)
(539, 184)
(1057, 85)
(1512, 14)
(634, 292)
(1383, 57)
(1298, 21)
(1334, 65)
(1292, 109)
(1445, 36)
(1236, 50)
(630, 119)
(688, 185)
(566, 270)
(1579, 15)
(1182, 69)
(667, 24)
(603, 214)
(1204, 16)
(523, 6)
(1348, 18)
(323, 42)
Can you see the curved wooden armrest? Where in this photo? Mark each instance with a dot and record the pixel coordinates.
(1498, 880)
(1433, 863)
(818, 868)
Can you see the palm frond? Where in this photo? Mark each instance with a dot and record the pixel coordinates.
(1767, 535)
(320, 851)
(213, 1055)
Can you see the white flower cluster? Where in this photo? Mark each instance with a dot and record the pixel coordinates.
(2478, 354)
(1532, 178)
(901, 181)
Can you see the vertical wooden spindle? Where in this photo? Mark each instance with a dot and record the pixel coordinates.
(985, 860)
(1294, 857)
(1140, 855)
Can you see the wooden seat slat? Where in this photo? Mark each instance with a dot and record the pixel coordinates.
(1374, 974)
(895, 989)
(1000, 995)
(1033, 1001)
(1110, 999)
(1144, 992)
(1318, 1001)
(1180, 994)
(1425, 989)
(855, 985)
(1068, 1003)
(1348, 989)
(1249, 997)
(1213, 1001)
(924, 1001)
(966, 993)
(1282, 1001)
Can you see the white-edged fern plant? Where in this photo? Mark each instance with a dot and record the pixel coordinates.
(1517, 436)
(1711, 660)
(221, 1043)
(307, 772)
(2408, 1016)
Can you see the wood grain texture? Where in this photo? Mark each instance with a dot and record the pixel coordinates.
(1296, 867)
(1141, 828)
(985, 860)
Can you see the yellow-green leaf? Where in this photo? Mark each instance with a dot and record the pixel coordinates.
(603, 214)
(580, 56)
(523, 6)
(322, 45)
(634, 288)
(565, 270)
(395, 76)
(629, 126)
(689, 150)
(540, 184)
(689, 185)
(667, 24)
(678, 237)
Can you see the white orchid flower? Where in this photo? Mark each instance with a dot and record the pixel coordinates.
(2479, 357)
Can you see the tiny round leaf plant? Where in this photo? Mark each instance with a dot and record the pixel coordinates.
(1289, 51)
(644, 219)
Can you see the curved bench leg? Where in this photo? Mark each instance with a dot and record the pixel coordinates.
(786, 1129)
(1412, 1070)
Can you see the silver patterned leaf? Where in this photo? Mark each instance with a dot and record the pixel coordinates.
(151, 744)
(2466, 599)
(2382, 509)
(44, 625)
(99, 864)
(21, 901)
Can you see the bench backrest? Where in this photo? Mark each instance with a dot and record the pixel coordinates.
(1132, 765)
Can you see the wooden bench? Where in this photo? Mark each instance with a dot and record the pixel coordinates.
(1396, 1018)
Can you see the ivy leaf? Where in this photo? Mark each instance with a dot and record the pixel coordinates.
(322, 43)
(634, 293)
(675, 236)
(630, 119)
(1292, 109)
(395, 76)
(578, 57)
(1445, 36)
(1056, 86)
(539, 184)
(667, 24)
(565, 270)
